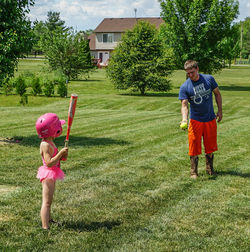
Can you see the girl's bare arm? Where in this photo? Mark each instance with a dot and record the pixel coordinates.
(47, 152)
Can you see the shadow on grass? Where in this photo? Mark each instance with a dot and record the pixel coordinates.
(86, 80)
(74, 141)
(153, 95)
(38, 95)
(80, 226)
(224, 173)
(234, 88)
(233, 173)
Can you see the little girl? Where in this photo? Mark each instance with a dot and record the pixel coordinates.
(49, 127)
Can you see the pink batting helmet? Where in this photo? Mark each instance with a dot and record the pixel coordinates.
(49, 125)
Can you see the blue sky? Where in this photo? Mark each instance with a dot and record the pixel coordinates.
(87, 14)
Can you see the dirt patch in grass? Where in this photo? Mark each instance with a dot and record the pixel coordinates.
(7, 140)
(5, 218)
(4, 189)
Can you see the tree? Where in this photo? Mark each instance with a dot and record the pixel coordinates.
(87, 32)
(67, 52)
(246, 38)
(15, 34)
(54, 22)
(195, 29)
(230, 46)
(139, 61)
(39, 30)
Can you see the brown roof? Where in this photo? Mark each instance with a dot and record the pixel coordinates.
(123, 24)
(92, 41)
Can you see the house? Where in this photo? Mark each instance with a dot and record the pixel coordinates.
(108, 33)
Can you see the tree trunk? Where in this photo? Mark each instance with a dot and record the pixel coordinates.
(142, 90)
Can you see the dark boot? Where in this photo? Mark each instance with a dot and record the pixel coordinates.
(194, 166)
(209, 164)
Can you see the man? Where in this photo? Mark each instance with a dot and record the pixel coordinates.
(197, 90)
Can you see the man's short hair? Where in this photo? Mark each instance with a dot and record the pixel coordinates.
(189, 64)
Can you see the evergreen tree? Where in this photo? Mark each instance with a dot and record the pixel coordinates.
(54, 22)
(246, 38)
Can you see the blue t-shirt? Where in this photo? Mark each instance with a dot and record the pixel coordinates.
(199, 95)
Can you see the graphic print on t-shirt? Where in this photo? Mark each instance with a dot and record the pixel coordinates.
(200, 93)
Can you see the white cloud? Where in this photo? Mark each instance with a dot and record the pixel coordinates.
(244, 9)
(87, 14)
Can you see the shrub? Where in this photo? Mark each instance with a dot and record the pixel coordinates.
(49, 88)
(62, 88)
(20, 85)
(8, 86)
(28, 76)
(36, 86)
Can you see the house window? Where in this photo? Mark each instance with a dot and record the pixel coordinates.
(107, 37)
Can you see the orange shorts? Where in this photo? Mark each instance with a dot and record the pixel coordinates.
(197, 130)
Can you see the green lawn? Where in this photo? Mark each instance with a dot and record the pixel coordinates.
(127, 185)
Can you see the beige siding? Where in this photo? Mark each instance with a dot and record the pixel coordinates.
(117, 36)
(107, 46)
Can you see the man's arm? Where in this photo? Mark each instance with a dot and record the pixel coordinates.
(218, 100)
(184, 110)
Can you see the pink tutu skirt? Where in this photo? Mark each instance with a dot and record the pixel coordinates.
(49, 173)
